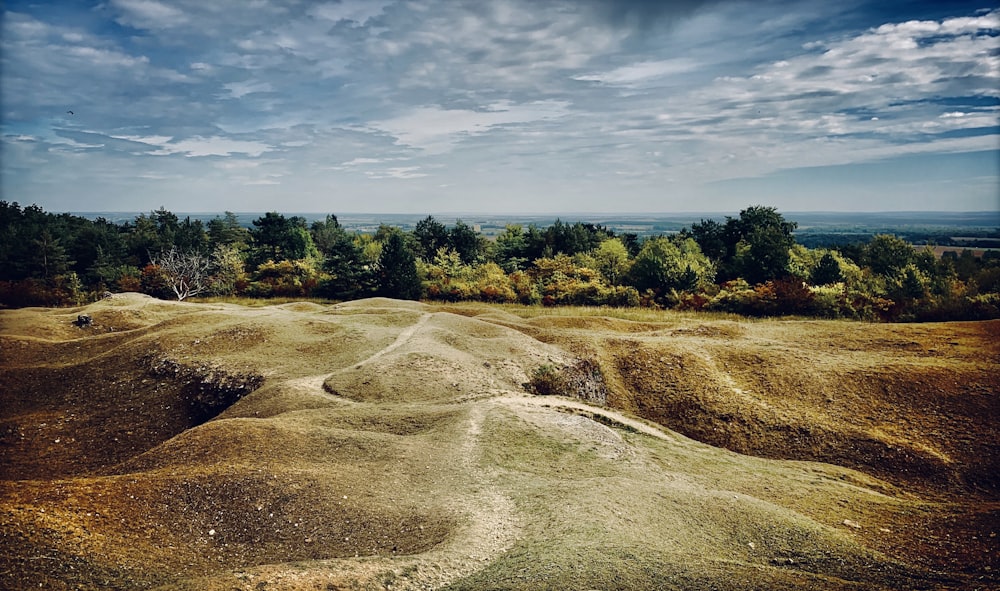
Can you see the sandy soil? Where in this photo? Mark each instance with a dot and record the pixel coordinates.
(394, 445)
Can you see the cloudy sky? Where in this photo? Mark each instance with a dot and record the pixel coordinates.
(519, 106)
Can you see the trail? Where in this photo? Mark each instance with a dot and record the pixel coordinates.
(404, 336)
(313, 384)
(490, 522)
(490, 529)
(567, 403)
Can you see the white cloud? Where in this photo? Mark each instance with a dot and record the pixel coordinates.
(240, 89)
(357, 12)
(528, 97)
(152, 140)
(898, 70)
(211, 146)
(640, 72)
(437, 130)
(399, 172)
(105, 58)
(505, 45)
(148, 14)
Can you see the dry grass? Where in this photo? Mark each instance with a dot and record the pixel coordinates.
(391, 445)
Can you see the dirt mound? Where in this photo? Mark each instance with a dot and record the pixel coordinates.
(392, 445)
(444, 357)
(882, 409)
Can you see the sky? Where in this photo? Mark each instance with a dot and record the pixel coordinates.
(500, 106)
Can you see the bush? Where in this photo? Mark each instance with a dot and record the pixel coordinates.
(285, 279)
(155, 282)
(582, 379)
(60, 290)
(547, 380)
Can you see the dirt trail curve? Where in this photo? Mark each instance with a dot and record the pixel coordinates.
(490, 522)
(514, 398)
(491, 526)
(313, 384)
(404, 336)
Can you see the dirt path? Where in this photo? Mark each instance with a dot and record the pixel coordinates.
(404, 336)
(313, 384)
(490, 523)
(576, 405)
(490, 529)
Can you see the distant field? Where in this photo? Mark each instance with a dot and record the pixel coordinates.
(978, 252)
(858, 226)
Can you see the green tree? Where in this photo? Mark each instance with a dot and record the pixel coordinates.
(466, 242)
(397, 270)
(764, 256)
(510, 249)
(190, 235)
(299, 245)
(349, 274)
(325, 233)
(888, 255)
(227, 230)
(664, 265)
(230, 272)
(711, 237)
(48, 256)
(612, 260)
(763, 239)
(431, 235)
(269, 235)
(167, 226)
(279, 238)
(827, 271)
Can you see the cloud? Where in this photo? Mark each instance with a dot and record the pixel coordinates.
(436, 130)
(356, 12)
(489, 48)
(644, 14)
(641, 72)
(882, 84)
(240, 89)
(399, 172)
(148, 14)
(562, 97)
(202, 146)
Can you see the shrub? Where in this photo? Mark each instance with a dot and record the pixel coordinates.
(547, 380)
(154, 282)
(792, 296)
(582, 379)
(285, 279)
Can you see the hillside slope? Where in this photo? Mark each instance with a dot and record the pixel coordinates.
(392, 445)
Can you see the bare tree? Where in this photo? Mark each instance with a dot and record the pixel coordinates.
(187, 273)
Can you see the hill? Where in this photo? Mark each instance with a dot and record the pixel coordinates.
(381, 444)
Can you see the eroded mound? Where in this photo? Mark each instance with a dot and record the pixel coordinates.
(381, 444)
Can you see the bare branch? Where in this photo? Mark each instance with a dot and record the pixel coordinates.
(187, 273)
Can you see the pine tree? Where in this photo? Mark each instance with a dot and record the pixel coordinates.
(397, 270)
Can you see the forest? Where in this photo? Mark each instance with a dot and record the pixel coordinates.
(749, 264)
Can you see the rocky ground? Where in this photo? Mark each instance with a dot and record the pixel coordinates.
(395, 445)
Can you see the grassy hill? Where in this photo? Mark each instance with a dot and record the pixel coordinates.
(381, 444)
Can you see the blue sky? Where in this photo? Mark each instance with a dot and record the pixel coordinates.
(519, 106)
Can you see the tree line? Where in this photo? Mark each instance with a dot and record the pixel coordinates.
(749, 264)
